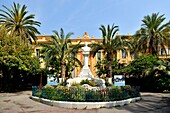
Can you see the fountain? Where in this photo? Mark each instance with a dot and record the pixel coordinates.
(85, 72)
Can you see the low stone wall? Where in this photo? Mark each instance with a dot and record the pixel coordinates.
(86, 105)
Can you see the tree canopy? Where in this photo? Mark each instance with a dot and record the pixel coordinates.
(19, 21)
(153, 34)
(62, 51)
(15, 59)
(111, 43)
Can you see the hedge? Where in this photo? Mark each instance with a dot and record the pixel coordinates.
(80, 94)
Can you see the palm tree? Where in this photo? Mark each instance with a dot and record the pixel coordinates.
(17, 20)
(62, 50)
(134, 45)
(153, 33)
(109, 45)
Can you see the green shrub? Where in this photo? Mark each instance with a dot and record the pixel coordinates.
(85, 82)
(163, 83)
(80, 94)
(62, 94)
(117, 93)
(63, 83)
(75, 84)
(48, 92)
(93, 96)
(90, 82)
(37, 93)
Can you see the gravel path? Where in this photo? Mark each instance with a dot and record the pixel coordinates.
(21, 103)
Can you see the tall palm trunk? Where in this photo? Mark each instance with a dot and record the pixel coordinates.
(151, 48)
(110, 65)
(154, 46)
(63, 71)
(110, 69)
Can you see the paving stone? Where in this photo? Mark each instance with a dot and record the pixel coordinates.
(21, 103)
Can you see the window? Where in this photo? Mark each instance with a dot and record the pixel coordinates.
(167, 51)
(73, 73)
(38, 53)
(133, 55)
(162, 51)
(123, 53)
(98, 56)
(73, 55)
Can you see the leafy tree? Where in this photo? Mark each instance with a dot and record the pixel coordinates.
(109, 45)
(102, 67)
(62, 51)
(141, 65)
(16, 60)
(153, 33)
(17, 20)
(158, 77)
(135, 49)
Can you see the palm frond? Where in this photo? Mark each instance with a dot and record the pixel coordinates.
(17, 20)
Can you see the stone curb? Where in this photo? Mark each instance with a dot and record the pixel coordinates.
(86, 105)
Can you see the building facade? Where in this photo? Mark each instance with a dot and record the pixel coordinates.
(123, 56)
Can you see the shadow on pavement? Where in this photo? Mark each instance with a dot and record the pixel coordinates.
(153, 102)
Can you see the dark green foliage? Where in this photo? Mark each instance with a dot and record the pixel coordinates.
(110, 45)
(158, 79)
(163, 83)
(37, 93)
(103, 69)
(17, 20)
(151, 73)
(16, 61)
(152, 36)
(63, 83)
(61, 56)
(89, 82)
(80, 94)
(48, 92)
(154, 33)
(141, 64)
(95, 96)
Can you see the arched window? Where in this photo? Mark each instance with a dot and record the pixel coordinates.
(98, 56)
(123, 53)
(38, 53)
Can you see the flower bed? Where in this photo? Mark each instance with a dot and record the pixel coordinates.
(81, 94)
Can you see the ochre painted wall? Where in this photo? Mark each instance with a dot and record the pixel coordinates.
(92, 60)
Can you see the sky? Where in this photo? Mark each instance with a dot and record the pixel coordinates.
(79, 16)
